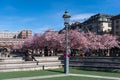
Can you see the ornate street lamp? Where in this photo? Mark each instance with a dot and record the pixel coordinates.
(66, 17)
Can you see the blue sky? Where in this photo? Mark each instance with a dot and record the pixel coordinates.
(40, 15)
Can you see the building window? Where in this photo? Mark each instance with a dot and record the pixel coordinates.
(117, 33)
(117, 27)
(117, 21)
(100, 24)
(90, 27)
(108, 19)
(109, 24)
(104, 19)
(100, 19)
(109, 30)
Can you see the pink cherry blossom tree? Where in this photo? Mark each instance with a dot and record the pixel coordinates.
(27, 44)
(77, 40)
(94, 41)
(36, 41)
(109, 41)
(17, 46)
(102, 42)
(51, 38)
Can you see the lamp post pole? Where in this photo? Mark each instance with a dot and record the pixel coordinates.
(66, 17)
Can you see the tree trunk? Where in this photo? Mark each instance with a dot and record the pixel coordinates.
(108, 52)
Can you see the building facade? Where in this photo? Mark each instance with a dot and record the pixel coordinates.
(116, 25)
(7, 42)
(7, 34)
(99, 23)
(18, 34)
(25, 34)
(8, 38)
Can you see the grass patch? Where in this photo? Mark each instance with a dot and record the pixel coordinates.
(71, 78)
(19, 74)
(99, 73)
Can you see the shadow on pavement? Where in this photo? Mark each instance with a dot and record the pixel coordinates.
(58, 71)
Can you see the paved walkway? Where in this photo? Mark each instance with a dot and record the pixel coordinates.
(62, 75)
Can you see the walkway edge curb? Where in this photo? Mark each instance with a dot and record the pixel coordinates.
(62, 75)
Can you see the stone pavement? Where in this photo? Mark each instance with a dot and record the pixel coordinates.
(94, 76)
(62, 75)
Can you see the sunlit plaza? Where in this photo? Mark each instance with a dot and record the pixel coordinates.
(59, 40)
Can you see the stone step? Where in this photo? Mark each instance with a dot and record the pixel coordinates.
(29, 64)
(19, 59)
(32, 65)
(17, 64)
(36, 67)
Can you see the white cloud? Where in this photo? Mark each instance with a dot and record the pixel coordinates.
(81, 17)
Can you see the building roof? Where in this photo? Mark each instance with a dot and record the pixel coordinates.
(116, 17)
(95, 17)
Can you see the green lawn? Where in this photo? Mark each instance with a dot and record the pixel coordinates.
(17, 74)
(72, 78)
(99, 73)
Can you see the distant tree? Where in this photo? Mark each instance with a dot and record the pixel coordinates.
(17, 46)
(109, 41)
(27, 44)
(51, 39)
(76, 40)
(36, 41)
(94, 41)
